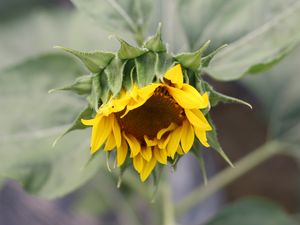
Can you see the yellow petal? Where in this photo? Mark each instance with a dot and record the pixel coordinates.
(180, 151)
(133, 143)
(148, 167)
(147, 91)
(173, 144)
(138, 163)
(160, 133)
(201, 135)
(122, 153)
(197, 118)
(146, 153)
(188, 97)
(117, 132)
(150, 142)
(110, 143)
(160, 155)
(162, 143)
(187, 138)
(91, 122)
(100, 133)
(175, 75)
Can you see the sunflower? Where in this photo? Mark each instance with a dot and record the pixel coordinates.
(151, 124)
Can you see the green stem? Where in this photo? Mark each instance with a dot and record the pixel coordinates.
(228, 175)
(168, 206)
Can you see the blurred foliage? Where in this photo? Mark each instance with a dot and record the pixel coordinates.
(31, 119)
(252, 211)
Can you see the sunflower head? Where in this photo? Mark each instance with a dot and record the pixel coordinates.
(147, 105)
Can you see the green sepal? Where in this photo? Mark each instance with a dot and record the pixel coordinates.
(95, 93)
(114, 73)
(212, 139)
(82, 86)
(216, 97)
(206, 59)
(192, 60)
(196, 149)
(94, 61)
(155, 42)
(145, 69)
(163, 62)
(122, 170)
(87, 113)
(129, 74)
(127, 51)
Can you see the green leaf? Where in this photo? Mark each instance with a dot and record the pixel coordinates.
(145, 69)
(94, 61)
(225, 21)
(114, 73)
(81, 86)
(216, 97)
(252, 211)
(192, 60)
(155, 42)
(212, 139)
(117, 16)
(31, 119)
(260, 49)
(127, 51)
(87, 113)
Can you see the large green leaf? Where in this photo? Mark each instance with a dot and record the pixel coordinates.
(118, 16)
(30, 121)
(252, 212)
(259, 50)
(38, 31)
(224, 21)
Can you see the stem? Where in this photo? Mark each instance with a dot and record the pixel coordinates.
(228, 175)
(168, 206)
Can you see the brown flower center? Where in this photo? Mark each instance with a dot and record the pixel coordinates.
(158, 112)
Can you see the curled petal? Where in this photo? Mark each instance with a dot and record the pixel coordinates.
(201, 135)
(188, 97)
(187, 138)
(175, 75)
(160, 155)
(100, 133)
(146, 153)
(133, 143)
(197, 118)
(173, 144)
